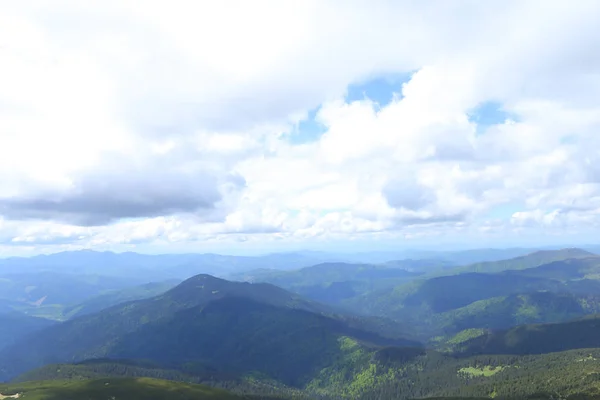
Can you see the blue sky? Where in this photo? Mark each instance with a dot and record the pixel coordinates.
(380, 90)
(504, 211)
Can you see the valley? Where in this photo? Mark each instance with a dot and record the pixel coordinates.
(334, 330)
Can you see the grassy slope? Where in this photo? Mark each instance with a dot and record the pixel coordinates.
(394, 373)
(432, 375)
(360, 371)
(107, 368)
(116, 389)
(569, 366)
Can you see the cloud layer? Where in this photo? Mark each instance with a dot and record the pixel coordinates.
(169, 124)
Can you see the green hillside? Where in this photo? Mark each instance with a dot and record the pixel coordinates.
(231, 326)
(396, 373)
(502, 294)
(517, 309)
(107, 368)
(356, 370)
(262, 340)
(332, 282)
(531, 260)
(565, 375)
(451, 292)
(434, 305)
(244, 336)
(443, 305)
(116, 389)
(566, 364)
(564, 270)
(538, 338)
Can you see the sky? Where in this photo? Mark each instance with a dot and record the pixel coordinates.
(170, 126)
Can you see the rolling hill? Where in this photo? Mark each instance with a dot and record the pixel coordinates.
(518, 309)
(332, 282)
(444, 305)
(537, 338)
(569, 375)
(117, 389)
(262, 340)
(107, 368)
(390, 373)
(234, 326)
(565, 270)
(527, 261)
(308, 352)
(442, 294)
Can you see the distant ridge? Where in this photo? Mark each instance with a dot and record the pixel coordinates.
(530, 260)
(153, 267)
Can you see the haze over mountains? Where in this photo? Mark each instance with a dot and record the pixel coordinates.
(400, 328)
(180, 265)
(294, 200)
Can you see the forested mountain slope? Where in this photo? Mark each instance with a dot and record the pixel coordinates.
(527, 261)
(443, 305)
(538, 338)
(395, 373)
(331, 283)
(228, 325)
(14, 326)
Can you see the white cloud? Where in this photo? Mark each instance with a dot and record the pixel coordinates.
(164, 124)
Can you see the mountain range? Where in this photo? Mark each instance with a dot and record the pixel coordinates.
(522, 327)
(204, 318)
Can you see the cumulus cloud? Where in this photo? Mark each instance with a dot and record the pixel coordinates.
(103, 198)
(407, 194)
(167, 123)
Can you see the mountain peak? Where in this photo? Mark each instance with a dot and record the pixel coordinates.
(197, 286)
(203, 289)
